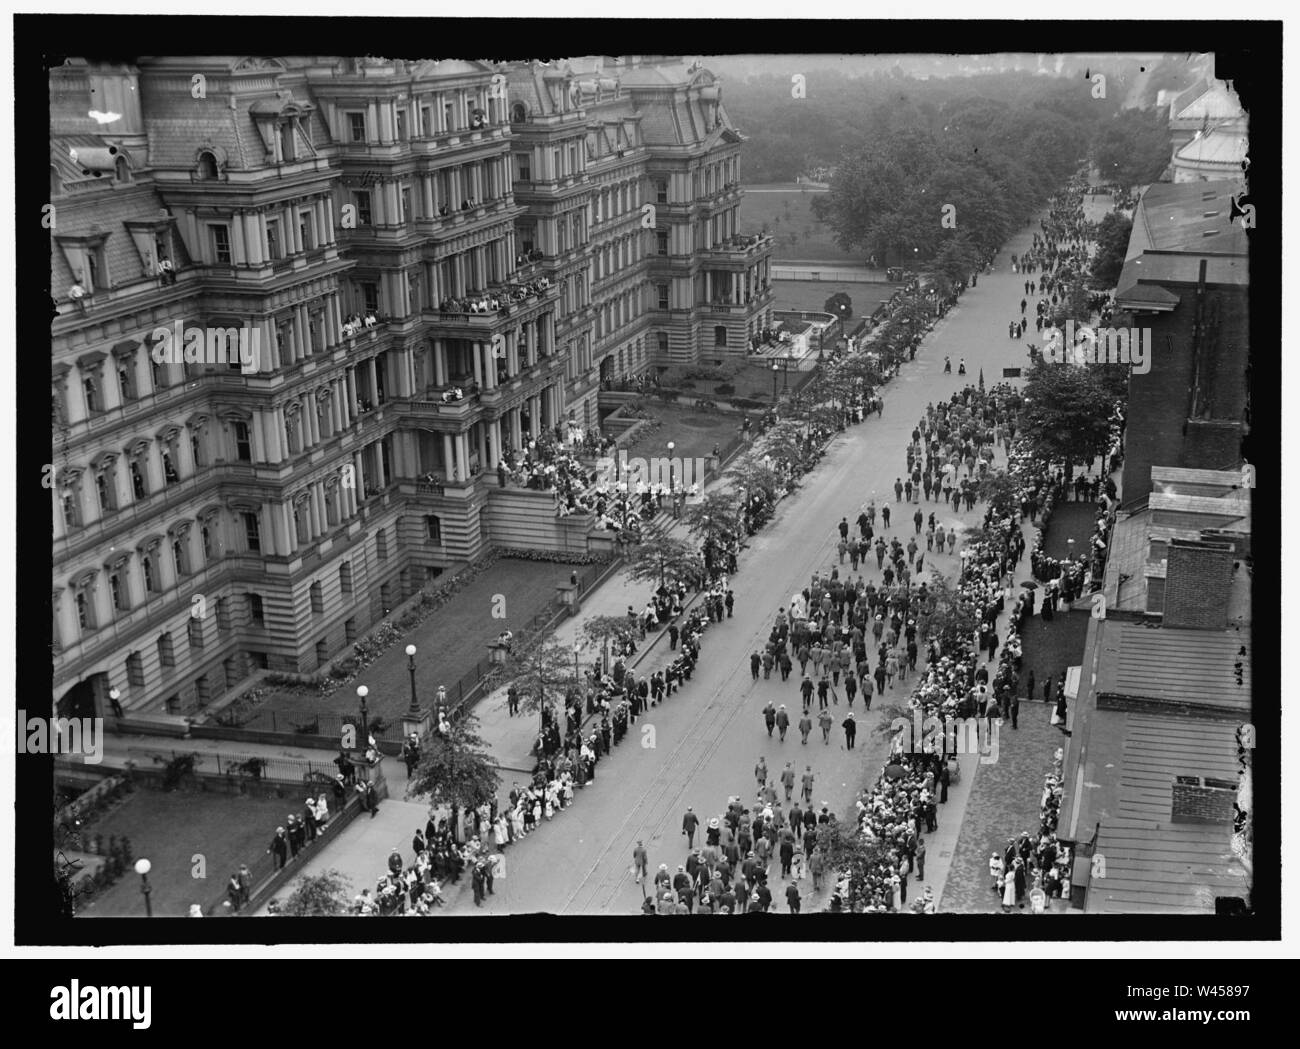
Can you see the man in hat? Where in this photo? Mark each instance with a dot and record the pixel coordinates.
(411, 753)
(850, 730)
(760, 771)
(279, 848)
(805, 725)
(769, 715)
(640, 862)
(807, 784)
(787, 779)
(689, 822)
(825, 720)
(663, 879)
(782, 722)
(297, 835)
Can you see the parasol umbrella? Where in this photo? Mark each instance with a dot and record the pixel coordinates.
(1029, 584)
(894, 772)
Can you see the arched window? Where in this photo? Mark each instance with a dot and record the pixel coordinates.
(122, 170)
(518, 113)
(207, 166)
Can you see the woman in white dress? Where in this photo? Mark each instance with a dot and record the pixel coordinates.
(517, 820)
(500, 833)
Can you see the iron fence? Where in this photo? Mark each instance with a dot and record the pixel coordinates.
(295, 772)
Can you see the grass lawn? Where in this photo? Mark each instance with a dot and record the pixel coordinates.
(812, 295)
(1069, 521)
(171, 829)
(450, 642)
(798, 234)
(1051, 647)
(693, 432)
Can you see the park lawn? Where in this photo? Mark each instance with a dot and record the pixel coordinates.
(450, 641)
(1069, 521)
(812, 295)
(694, 433)
(797, 232)
(171, 829)
(1049, 648)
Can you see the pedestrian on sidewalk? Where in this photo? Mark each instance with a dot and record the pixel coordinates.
(850, 726)
(782, 722)
(805, 725)
(825, 720)
(920, 859)
(808, 785)
(769, 717)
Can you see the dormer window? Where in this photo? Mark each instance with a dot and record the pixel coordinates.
(207, 168)
(518, 113)
(288, 152)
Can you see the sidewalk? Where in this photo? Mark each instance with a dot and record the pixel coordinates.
(360, 851)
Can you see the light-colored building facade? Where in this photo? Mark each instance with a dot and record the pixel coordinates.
(425, 281)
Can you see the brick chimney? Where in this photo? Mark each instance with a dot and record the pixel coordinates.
(1202, 800)
(1198, 575)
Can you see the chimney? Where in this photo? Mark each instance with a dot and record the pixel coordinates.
(1198, 575)
(1198, 799)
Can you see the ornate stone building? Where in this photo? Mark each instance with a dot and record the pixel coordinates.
(304, 305)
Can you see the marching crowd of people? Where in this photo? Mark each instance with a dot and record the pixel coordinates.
(843, 630)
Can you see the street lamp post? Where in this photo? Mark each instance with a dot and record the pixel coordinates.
(671, 447)
(142, 868)
(114, 698)
(410, 665)
(775, 368)
(362, 692)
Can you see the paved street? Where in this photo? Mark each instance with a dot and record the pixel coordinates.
(708, 737)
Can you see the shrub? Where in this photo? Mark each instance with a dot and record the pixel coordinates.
(746, 403)
(724, 390)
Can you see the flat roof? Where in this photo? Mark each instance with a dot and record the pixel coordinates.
(1176, 665)
(1154, 865)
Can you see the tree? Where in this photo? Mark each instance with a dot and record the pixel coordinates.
(953, 619)
(1066, 413)
(1074, 305)
(607, 630)
(848, 852)
(324, 895)
(956, 260)
(541, 673)
(664, 559)
(1000, 490)
(456, 770)
(840, 305)
(714, 516)
(1133, 147)
(1113, 234)
(748, 474)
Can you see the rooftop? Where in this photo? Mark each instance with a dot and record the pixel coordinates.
(1141, 661)
(1154, 865)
